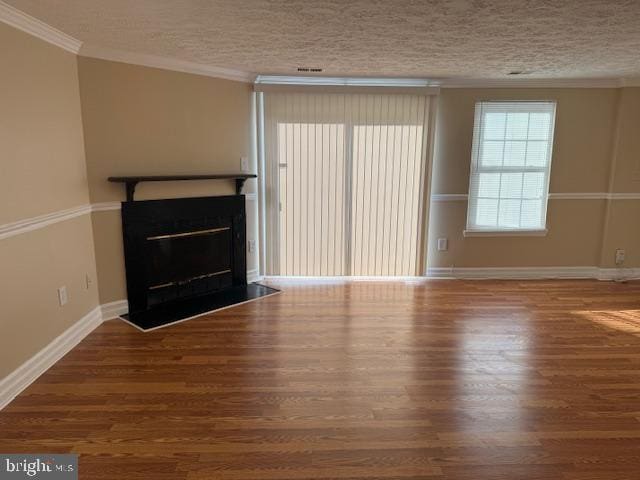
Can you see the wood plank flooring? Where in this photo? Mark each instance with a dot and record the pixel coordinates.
(435, 379)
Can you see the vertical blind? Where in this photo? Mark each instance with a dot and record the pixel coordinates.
(344, 178)
(510, 164)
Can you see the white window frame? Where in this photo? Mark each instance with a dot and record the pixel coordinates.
(527, 106)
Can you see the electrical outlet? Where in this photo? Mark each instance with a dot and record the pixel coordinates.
(244, 164)
(251, 246)
(620, 254)
(62, 295)
(443, 244)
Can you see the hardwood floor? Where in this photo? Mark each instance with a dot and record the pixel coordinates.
(438, 379)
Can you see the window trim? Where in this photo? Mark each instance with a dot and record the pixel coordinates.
(478, 129)
(542, 232)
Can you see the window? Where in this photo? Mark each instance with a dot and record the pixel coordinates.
(510, 164)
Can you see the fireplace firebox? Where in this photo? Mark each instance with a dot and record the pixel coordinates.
(184, 257)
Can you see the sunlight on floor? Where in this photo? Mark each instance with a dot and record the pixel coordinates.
(621, 320)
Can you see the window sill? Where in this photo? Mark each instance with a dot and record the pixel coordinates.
(506, 233)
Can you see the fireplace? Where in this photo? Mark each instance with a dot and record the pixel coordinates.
(185, 257)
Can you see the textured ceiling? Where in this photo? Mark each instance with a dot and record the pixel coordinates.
(426, 38)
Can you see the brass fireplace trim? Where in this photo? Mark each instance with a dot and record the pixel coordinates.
(189, 234)
(182, 282)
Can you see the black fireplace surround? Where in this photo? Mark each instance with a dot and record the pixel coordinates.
(184, 257)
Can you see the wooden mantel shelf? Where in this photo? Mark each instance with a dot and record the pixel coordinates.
(131, 181)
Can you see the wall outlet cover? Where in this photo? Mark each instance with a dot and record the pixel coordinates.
(620, 256)
(443, 244)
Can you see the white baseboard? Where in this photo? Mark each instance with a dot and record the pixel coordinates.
(532, 273)
(253, 276)
(482, 273)
(618, 274)
(340, 279)
(114, 309)
(29, 371)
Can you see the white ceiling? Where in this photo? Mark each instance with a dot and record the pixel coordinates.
(480, 39)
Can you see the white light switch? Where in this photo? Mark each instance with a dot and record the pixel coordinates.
(244, 164)
(62, 295)
(443, 244)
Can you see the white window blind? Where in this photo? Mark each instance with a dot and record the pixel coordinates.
(344, 183)
(510, 165)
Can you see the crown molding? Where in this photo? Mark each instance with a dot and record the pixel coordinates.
(28, 24)
(533, 83)
(165, 63)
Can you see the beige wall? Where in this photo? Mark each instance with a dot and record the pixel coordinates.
(140, 120)
(42, 166)
(627, 152)
(42, 170)
(585, 144)
(34, 265)
(622, 223)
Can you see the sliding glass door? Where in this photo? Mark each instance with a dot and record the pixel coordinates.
(344, 183)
